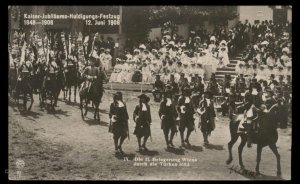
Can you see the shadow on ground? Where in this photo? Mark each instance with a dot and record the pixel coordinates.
(214, 147)
(149, 152)
(176, 151)
(194, 148)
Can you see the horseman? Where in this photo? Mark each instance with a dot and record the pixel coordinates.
(72, 60)
(52, 67)
(12, 71)
(25, 73)
(90, 74)
(252, 99)
(25, 70)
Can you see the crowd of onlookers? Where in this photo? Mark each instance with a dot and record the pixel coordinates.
(200, 55)
(267, 52)
(269, 55)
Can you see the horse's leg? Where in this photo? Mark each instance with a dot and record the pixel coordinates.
(31, 98)
(56, 95)
(24, 101)
(95, 110)
(234, 137)
(241, 147)
(64, 92)
(40, 98)
(75, 89)
(81, 106)
(233, 140)
(98, 114)
(70, 92)
(86, 107)
(258, 158)
(275, 151)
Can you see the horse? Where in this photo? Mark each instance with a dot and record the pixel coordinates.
(267, 135)
(23, 86)
(37, 81)
(72, 80)
(12, 79)
(92, 93)
(53, 84)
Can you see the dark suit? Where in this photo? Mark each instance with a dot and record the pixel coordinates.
(207, 119)
(186, 119)
(143, 121)
(120, 127)
(170, 115)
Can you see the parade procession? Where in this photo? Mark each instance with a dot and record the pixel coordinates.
(108, 96)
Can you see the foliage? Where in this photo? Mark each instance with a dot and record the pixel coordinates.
(136, 23)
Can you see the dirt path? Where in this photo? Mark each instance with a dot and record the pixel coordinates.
(63, 146)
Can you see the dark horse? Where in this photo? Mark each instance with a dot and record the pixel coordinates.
(266, 136)
(72, 80)
(12, 79)
(37, 80)
(53, 84)
(23, 86)
(92, 93)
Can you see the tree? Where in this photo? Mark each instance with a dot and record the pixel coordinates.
(136, 23)
(138, 20)
(191, 14)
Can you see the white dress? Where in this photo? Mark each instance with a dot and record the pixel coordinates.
(123, 73)
(130, 73)
(114, 75)
(106, 62)
(146, 74)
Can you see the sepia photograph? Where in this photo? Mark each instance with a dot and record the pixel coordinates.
(150, 92)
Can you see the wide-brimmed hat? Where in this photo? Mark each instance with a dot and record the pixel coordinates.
(145, 97)
(118, 94)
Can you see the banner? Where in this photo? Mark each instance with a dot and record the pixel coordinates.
(103, 19)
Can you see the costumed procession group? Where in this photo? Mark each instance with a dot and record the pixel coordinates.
(177, 74)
